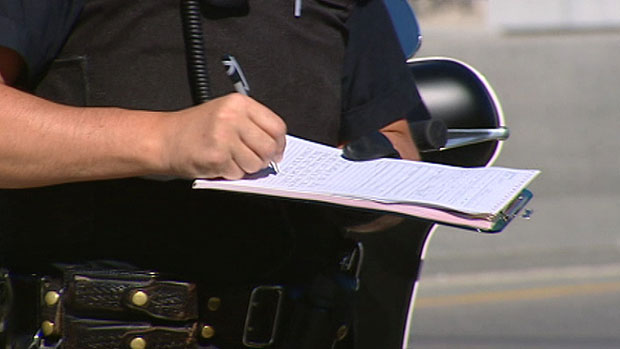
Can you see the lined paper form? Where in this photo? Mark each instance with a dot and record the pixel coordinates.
(317, 172)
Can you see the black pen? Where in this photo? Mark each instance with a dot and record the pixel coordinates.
(234, 72)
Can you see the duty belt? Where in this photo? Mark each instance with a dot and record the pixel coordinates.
(115, 308)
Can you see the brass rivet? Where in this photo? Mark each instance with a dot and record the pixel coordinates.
(342, 332)
(47, 327)
(214, 303)
(137, 343)
(51, 298)
(207, 332)
(139, 298)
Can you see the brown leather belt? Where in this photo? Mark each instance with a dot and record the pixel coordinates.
(111, 308)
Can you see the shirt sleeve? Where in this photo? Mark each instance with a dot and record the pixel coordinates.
(378, 87)
(37, 29)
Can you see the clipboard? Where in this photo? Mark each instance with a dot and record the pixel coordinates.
(483, 199)
(501, 220)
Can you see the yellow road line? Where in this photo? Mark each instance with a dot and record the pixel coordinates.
(516, 295)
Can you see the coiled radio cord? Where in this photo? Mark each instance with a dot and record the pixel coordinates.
(195, 50)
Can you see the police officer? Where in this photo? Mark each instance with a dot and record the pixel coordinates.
(96, 100)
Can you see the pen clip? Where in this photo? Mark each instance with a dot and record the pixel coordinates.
(297, 12)
(234, 72)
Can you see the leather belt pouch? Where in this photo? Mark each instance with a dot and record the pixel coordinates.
(88, 333)
(133, 294)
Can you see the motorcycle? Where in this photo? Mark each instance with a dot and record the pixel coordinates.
(459, 97)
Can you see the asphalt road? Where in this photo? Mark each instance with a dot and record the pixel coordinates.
(552, 281)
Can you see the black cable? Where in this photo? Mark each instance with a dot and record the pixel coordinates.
(195, 50)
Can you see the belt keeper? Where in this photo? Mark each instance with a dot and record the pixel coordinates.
(265, 301)
(5, 300)
(50, 307)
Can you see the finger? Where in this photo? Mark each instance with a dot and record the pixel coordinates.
(231, 169)
(233, 172)
(247, 160)
(213, 164)
(261, 143)
(269, 122)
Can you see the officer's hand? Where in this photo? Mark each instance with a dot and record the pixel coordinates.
(226, 137)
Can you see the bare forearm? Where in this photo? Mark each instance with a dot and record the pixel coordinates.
(45, 143)
(399, 135)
